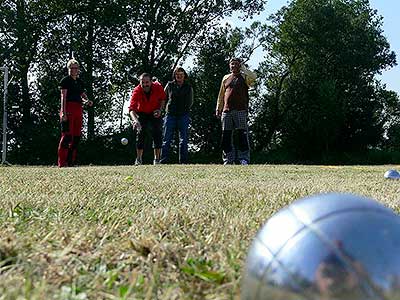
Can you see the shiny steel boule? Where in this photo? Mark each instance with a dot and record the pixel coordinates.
(124, 141)
(392, 174)
(326, 247)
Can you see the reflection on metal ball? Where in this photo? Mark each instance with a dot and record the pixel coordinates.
(326, 247)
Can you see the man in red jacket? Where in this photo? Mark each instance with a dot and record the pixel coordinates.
(145, 110)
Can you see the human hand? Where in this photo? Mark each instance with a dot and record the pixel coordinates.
(136, 124)
(87, 102)
(244, 67)
(157, 113)
(218, 113)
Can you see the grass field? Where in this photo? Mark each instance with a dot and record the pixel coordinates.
(150, 232)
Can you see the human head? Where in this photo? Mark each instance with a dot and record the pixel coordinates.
(145, 82)
(335, 276)
(73, 67)
(235, 64)
(179, 74)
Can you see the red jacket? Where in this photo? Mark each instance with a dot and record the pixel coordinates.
(140, 102)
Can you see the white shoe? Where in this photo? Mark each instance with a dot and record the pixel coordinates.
(156, 162)
(138, 162)
(244, 162)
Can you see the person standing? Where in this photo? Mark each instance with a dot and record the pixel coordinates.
(73, 95)
(232, 108)
(179, 101)
(145, 111)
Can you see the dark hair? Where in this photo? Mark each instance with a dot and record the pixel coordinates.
(145, 75)
(179, 69)
(235, 59)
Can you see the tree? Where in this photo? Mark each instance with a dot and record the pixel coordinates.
(160, 33)
(211, 64)
(23, 23)
(321, 94)
(39, 37)
(390, 117)
(114, 40)
(210, 67)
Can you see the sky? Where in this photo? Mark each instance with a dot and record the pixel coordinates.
(389, 9)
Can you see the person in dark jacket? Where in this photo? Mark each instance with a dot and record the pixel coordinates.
(179, 101)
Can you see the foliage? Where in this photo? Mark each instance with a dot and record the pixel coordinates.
(23, 23)
(114, 40)
(321, 94)
(316, 94)
(211, 64)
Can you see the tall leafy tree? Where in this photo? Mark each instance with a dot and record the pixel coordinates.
(160, 33)
(211, 64)
(322, 60)
(114, 40)
(89, 32)
(23, 23)
(210, 67)
(39, 37)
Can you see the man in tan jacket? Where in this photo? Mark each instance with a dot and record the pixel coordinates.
(232, 108)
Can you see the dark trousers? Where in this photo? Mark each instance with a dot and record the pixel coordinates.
(149, 122)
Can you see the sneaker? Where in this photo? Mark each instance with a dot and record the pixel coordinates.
(244, 162)
(138, 161)
(156, 162)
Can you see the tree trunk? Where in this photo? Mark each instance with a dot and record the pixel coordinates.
(23, 62)
(89, 70)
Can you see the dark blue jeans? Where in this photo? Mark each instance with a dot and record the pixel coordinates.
(172, 124)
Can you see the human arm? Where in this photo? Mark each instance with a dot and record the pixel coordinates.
(135, 120)
(191, 97)
(167, 92)
(64, 105)
(249, 76)
(132, 110)
(220, 99)
(86, 100)
(162, 98)
(158, 112)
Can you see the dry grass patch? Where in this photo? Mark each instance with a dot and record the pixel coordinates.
(164, 232)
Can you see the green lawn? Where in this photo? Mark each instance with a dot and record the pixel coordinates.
(150, 232)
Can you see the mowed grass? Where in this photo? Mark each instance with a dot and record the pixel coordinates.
(150, 232)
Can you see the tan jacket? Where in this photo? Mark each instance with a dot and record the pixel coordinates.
(249, 77)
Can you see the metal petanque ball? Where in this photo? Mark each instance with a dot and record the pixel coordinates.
(326, 247)
(391, 174)
(124, 141)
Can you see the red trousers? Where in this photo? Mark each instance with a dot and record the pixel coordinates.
(70, 134)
